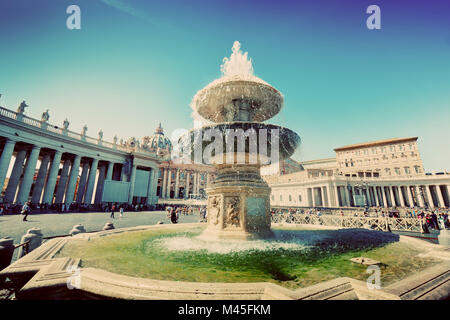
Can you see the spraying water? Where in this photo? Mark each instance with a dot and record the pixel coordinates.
(238, 64)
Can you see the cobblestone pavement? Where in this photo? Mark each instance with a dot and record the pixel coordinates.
(53, 224)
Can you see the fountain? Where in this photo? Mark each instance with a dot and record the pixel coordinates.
(237, 104)
(189, 261)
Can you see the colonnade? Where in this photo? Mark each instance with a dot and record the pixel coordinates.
(36, 175)
(420, 195)
(179, 183)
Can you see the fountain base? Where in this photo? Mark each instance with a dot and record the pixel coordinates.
(238, 204)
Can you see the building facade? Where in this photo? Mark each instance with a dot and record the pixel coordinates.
(385, 173)
(391, 157)
(51, 164)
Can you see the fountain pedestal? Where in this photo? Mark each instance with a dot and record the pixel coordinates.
(238, 204)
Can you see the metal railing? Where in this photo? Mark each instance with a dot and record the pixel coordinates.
(26, 246)
(374, 223)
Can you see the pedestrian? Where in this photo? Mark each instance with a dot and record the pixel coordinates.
(26, 210)
(121, 211)
(113, 208)
(173, 216)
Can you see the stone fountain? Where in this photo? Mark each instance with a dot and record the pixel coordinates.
(237, 104)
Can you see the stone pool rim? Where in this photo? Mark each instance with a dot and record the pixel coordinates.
(42, 275)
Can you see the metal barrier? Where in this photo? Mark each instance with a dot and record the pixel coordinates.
(374, 223)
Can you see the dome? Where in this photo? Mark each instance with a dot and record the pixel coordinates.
(157, 140)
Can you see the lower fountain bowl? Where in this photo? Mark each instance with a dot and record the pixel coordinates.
(239, 142)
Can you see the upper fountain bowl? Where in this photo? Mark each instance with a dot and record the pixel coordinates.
(238, 98)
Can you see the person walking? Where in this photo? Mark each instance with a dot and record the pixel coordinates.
(121, 211)
(113, 208)
(173, 216)
(26, 210)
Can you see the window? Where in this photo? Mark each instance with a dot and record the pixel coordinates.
(290, 198)
(417, 168)
(387, 171)
(281, 197)
(397, 171)
(407, 171)
(392, 148)
(272, 197)
(299, 198)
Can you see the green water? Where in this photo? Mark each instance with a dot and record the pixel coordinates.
(320, 255)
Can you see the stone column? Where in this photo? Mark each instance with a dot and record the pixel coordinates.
(123, 176)
(429, 197)
(322, 196)
(151, 179)
(326, 192)
(73, 177)
(109, 172)
(164, 179)
(391, 191)
(132, 182)
(40, 179)
(91, 181)
(400, 195)
(188, 181)
(82, 183)
(383, 192)
(177, 184)
(61, 188)
(169, 181)
(155, 183)
(27, 180)
(100, 184)
(419, 196)
(5, 159)
(51, 180)
(410, 197)
(336, 195)
(15, 177)
(194, 183)
(440, 197)
(208, 180)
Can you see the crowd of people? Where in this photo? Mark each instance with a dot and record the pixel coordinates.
(7, 209)
(174, 212)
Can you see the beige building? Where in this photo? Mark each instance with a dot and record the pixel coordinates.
(386, 173)
(391, 157)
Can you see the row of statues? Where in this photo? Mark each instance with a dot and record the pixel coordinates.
(130, 143)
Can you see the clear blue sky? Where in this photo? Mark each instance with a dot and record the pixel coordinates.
(136, 63)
